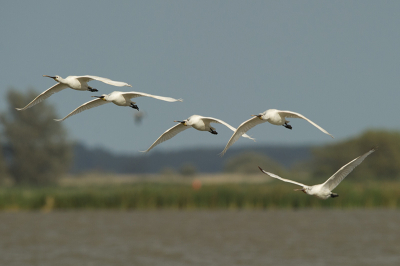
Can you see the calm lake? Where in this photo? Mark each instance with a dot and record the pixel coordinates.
(169, 237)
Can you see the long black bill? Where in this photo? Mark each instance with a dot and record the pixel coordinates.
(180, 121)
(49, 76)
(100, 97)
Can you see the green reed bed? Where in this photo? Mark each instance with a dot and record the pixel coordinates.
(182, 196)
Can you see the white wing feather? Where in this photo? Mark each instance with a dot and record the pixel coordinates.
(215, 120)
(337, 177)
(83, 107)
(291, 114)
(173, 131)
(88, 78)
(134, 94)
(282, 179)
(243, 128)
(44, 95)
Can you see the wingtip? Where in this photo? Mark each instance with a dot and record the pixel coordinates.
(180, 100)
(248, 137)
(222, 153)
(260, 169)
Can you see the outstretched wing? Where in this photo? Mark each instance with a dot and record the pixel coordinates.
(291, 114)
(83, 107)
(88, 78)
(134, 94)
(44, 95)
(337, 177)
(168, 134)
(215, 120)
(282, 179)
(243, 128)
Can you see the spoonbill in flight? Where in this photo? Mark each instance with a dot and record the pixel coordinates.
(198, 122)
(272, 116)
(74, 82)
(118, 98)
(324, 190)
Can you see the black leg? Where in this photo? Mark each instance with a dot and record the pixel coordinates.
(134, 106)
(213, 132)
(334, 195)
(92, 89)
(287, 126)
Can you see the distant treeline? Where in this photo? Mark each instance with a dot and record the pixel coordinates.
(316, 161)
(204, 160)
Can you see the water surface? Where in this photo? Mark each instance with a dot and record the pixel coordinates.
(168, 237)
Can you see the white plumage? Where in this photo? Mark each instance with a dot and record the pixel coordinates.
(273, 116)
(324, 190)
(198, 122)
(74, 82)
(118, 98)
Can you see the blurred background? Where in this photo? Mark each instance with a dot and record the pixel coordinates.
(84, 180)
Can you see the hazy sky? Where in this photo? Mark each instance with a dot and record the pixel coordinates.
(336, 62)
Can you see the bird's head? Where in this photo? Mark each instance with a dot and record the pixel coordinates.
(184, 122)
(103, 97)
(259, 116)
(301, 189)
(56, 77)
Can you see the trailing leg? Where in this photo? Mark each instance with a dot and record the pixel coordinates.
(212, 131)
(134, 106)
(287, 125)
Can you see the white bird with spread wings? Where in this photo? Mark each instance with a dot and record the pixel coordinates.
(74, 82)
(324, 190)
(118, 98)
(273, 116)
(198, 122)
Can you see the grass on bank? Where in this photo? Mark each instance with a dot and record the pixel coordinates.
(155, 195)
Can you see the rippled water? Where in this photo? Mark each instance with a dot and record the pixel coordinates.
(306, 237)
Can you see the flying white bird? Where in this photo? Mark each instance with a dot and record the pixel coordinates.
(273, 116)
(198, 122)
(74, 82)
(324, 190)
(118, 98)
